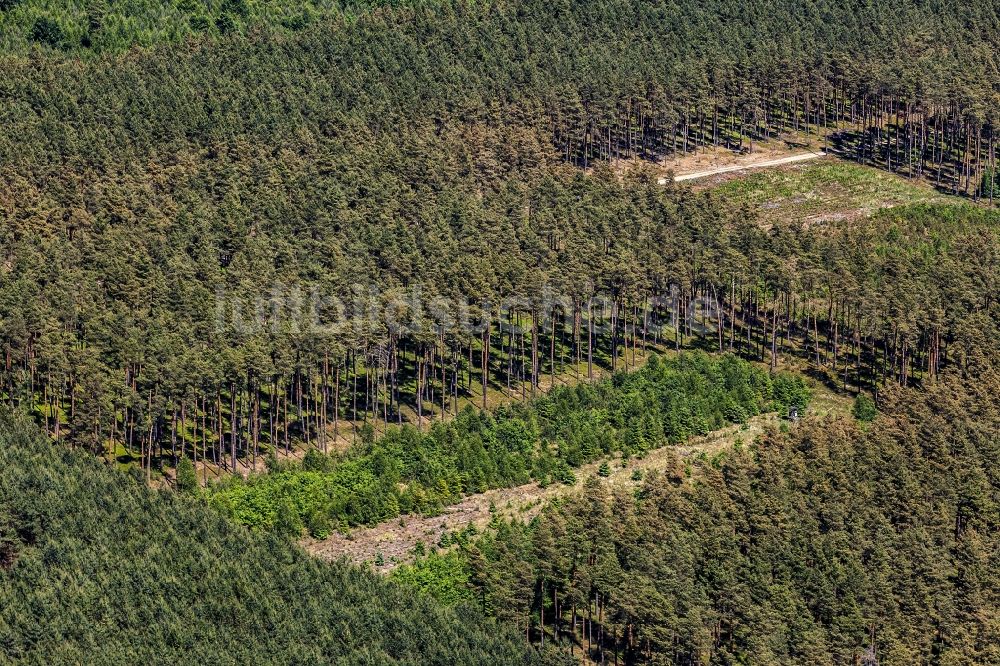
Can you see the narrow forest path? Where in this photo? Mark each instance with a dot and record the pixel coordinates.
(395, 539)
(747, 165)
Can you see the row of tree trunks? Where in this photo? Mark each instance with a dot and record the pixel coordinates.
(239, 422)
(902, 135)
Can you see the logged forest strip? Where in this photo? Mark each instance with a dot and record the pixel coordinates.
(395, 540)
(811, 155)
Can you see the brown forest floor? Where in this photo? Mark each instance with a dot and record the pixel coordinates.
(709, 158)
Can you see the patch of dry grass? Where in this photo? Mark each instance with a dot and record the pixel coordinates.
(825, 190)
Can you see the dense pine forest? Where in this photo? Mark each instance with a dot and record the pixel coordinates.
(95, 568)
(432, 152)
(832, 544)
(274, 269)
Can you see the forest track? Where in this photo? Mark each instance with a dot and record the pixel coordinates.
(791, 159)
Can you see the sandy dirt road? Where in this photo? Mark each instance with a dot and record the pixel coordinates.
(791, 159)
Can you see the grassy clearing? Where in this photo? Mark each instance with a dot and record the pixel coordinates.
(829, 189)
